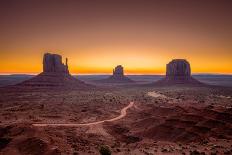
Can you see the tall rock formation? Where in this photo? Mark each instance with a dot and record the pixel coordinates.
(118, 71)
(178, 71)
(117, 77)
(55, 74)
(53, 63)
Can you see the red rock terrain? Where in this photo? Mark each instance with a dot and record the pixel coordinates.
(176, 120)
(54, 113)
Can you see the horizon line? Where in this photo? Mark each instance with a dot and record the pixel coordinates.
(196, 73)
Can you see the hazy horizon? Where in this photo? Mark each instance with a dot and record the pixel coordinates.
(152, 74)
(143, 36)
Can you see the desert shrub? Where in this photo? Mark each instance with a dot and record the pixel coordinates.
(213, 153)
(195, 152)
(164, 150)
(104, 150)
(4, 142)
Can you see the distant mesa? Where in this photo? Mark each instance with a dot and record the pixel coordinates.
(117, 77)
(118, 71)
(55, 74)
(178, 71)
(53, 63)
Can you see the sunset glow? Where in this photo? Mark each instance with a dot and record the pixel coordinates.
(98, 35)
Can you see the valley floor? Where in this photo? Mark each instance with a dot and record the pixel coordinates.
(128, 120)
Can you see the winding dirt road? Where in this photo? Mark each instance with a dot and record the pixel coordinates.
(123, 114)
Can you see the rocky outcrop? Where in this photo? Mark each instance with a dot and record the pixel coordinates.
(118, 71)
(178, 71)
(53, 63)
(55, 74)
(117, 77)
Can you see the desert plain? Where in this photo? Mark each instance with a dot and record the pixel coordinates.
(134, 119)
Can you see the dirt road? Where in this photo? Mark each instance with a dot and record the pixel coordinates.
(123, 114)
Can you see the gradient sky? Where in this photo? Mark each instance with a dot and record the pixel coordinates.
(96, 35)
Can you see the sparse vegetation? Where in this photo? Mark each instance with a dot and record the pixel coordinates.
(195, 152)
(104, 150)
(145, 117)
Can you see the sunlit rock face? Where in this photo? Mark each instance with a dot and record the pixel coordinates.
(53, 63)
(178, 69)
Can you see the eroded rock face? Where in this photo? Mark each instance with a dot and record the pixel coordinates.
(55, 74)
(118, 71)
(117, 77)
(53, 63)
(178, 69)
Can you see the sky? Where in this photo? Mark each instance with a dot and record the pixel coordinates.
(97, 35)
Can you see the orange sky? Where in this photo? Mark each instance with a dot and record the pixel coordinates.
(143, 36)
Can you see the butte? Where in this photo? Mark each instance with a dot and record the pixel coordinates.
(117, 77)
(55, 74)
(178, 71)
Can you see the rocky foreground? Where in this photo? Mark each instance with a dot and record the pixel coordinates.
(173, 120)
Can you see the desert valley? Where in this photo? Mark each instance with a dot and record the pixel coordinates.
(54, 113)
(116, 77)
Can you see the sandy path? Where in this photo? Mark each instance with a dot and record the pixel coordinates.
(156, 94)
(123, 114)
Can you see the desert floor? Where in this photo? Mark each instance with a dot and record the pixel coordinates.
(129, 120)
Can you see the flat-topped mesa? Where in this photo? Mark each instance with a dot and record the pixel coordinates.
(178, 69)
(118, 71)
(53, 63)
